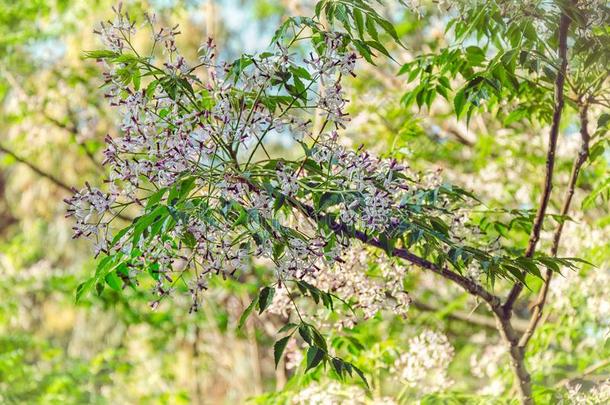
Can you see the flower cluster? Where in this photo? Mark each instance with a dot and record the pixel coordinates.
(486, 367)
(353, 280)
(335, 394)
(599, 394)
(191, 158)
(426, 361)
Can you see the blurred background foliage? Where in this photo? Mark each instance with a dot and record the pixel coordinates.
(111, 348)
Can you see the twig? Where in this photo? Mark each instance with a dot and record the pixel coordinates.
(583, 154)
(516, 351)
(472, 318)
(589, 370)
(36, 169)
(73, 130)
(59, 183)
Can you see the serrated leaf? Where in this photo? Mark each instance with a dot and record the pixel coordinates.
(338, 366)
(287, 327)
(361, 375)
(371, 29)
(318, 339)
(314, 357)
(305, 333)
(265, 298)
(278, 349)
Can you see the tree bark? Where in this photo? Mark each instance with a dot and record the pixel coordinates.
(516, 350)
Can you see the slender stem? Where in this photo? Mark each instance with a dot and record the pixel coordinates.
(564, 24)
(587, 371)
(583, 154)
(516, 351)
(73, 130)
(472, 318)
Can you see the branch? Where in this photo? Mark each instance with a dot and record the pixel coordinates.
(589, 370)
(344, 230)
(583, 154)
(59, 183)
(564, 24)
(73, 131)
(472, 318)
(517, 354)
(460, 138)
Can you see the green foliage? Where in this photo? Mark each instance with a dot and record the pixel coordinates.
(493, 68)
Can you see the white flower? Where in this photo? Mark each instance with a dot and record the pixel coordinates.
(425, 364)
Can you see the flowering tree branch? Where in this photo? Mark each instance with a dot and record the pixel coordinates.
(342, 229)
(191, 155)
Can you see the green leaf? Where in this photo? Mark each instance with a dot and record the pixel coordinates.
(603, 120)
(359, 20)
(389, 28)
(136, 79)
(328, 200)
(314, 357)
(599, 190)
(84, 288)
(378, 46)
(550, 263)
(518, 274)
(459, 101)
(318, 339)
(147, 220)
(371, 29)
(244, 316)
(475, 55)
(361, 375)
(155, 198)
(100, 54)
(287, 327)
(338, 365)
(265, 298)
(113, 281)
(529, 265)
(305, 333)
(99, 288)
(278, 349)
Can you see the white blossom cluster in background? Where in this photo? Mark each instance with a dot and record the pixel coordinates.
(334, 393)
(424, 365)
(487, 367)
(576, 289)
(191, 154)
(598, 395)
